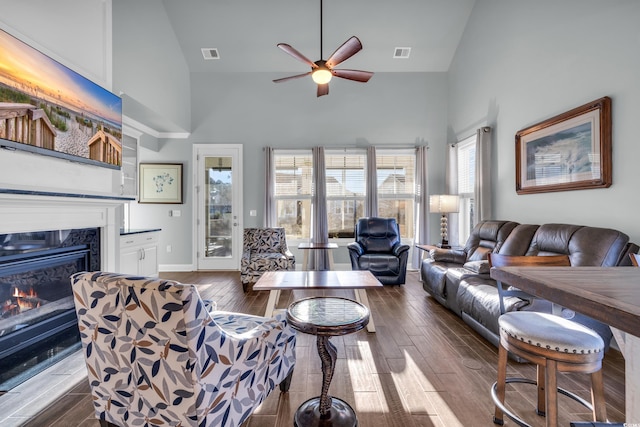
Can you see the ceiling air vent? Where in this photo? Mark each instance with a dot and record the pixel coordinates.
(210, 53)
(402, 52)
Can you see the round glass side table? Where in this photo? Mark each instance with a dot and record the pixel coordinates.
(326, 317)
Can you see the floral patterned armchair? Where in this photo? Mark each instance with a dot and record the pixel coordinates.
(156, 356)
(264, 249)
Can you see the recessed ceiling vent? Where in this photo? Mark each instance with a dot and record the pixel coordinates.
(210, 53)
(402, 52)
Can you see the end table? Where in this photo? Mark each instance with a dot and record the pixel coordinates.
(326, 317)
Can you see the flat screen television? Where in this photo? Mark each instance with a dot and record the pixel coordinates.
(49, 109)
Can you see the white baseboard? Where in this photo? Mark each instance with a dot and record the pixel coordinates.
(176, 267)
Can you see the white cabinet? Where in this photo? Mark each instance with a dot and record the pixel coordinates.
(139, 253)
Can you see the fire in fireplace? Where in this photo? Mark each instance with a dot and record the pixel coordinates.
(36, 301)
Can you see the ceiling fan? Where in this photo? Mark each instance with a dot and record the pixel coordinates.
(321, 70)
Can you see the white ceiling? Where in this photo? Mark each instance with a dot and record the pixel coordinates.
(246, 33)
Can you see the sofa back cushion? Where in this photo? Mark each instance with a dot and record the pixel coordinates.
(377, 235)
(519, 240)
(487, 236)
(586, 246)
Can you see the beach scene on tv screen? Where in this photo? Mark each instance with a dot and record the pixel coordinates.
(46, 105)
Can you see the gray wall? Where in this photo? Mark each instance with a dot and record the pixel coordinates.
(519, 63)
(148, 66)
(249, 109)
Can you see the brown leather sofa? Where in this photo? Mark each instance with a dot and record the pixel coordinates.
(459, 278)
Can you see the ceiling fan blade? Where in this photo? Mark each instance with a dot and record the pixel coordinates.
(293, 52)
(344, 52)
(355, 75)
(323, 89)
(284, 79)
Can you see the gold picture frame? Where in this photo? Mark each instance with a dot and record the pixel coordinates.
(571, 151)
(160, 183)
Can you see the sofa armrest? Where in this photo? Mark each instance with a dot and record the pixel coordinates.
(356, 248)
(399, 249)
(479, 267)
(448, 255)
(246, 257)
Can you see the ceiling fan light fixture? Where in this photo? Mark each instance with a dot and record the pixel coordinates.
(321, 76)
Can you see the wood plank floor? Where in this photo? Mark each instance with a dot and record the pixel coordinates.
(422, 367)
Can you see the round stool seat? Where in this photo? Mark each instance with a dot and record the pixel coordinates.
(550, 332)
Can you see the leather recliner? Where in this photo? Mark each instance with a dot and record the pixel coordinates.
(379, 249)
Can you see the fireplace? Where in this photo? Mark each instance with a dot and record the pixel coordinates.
(41, 221)
(36, 301)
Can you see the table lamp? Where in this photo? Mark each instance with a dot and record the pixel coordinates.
(444, 204)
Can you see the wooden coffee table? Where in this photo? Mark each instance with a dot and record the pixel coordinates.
(359, 281)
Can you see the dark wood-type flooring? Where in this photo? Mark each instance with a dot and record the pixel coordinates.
(423, 366)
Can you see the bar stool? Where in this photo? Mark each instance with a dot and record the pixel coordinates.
(554, 344)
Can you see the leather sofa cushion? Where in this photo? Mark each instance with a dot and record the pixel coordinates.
(487, 237)
(479, 298)
(433, 276)
(519, 240)
(479, 267)
(448, 255)
(577, 242)
(380, 264)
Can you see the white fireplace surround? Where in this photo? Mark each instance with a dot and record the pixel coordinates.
(41, 212)
(24, 211)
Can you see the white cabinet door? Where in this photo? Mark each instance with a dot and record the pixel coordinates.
(139, 254)
(149, 261)
(129, 260)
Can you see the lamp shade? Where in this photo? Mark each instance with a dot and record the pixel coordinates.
(444, 203)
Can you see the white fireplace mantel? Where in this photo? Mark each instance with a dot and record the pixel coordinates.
(31, 211)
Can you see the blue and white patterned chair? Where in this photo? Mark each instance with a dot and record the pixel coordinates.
(264, 249)
(156, 357)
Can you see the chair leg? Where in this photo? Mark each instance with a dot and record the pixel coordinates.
(498, 416)
(597, 397)
(286, 382)
(104, 423)
(542, 396)
(551, 380)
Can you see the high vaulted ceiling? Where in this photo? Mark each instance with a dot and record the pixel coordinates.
(246, 33)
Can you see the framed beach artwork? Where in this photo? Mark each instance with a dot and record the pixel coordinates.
(49, 109)
(571, 151)
(160, 183)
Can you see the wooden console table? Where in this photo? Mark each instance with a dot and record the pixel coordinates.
(309, 246)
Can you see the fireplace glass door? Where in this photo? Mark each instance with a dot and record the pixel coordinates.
(36, 302)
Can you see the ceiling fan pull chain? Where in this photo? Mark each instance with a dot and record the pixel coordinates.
(321, 53)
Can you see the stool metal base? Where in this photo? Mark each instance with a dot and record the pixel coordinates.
(512, 416)
(341, 414)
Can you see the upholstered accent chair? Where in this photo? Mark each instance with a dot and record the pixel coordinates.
(156, 356)
(264, 249)
(378, 248)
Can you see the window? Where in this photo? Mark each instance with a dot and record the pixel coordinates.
(466, 185)
(395, 171)
(346, 173)
(293, 189)
(346, 178)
